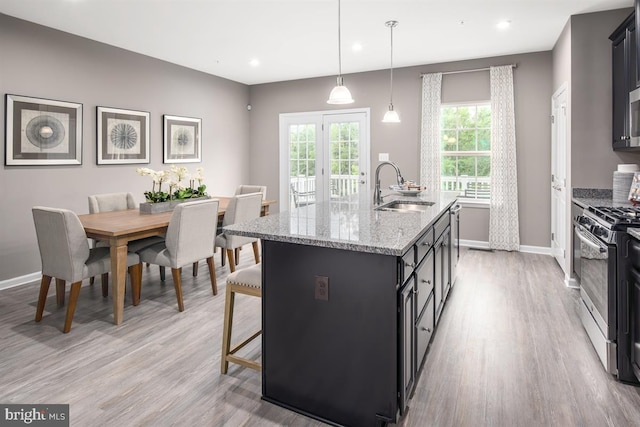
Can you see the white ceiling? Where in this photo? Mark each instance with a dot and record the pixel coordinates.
(296, 39)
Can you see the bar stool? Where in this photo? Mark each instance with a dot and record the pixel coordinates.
(246, 281)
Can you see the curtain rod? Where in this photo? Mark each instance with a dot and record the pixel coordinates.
(470, 71)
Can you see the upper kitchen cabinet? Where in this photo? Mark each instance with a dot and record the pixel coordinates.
(625, 79)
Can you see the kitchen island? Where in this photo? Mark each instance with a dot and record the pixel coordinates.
(351, 297)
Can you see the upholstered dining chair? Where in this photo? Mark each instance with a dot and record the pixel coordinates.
(66, 256)
(189, 238)
(108, 202)
(240, 208)
(248, 189)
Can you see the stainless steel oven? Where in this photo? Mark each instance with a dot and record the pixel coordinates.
(597, 292)
(606, 258)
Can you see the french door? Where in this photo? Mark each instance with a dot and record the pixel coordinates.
(323, 156)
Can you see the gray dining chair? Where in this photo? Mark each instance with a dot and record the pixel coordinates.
(189, 238)
(248, 189)
(66, 256)
(240, 208)
(107, 202)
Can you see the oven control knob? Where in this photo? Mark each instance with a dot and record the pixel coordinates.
(600, 232)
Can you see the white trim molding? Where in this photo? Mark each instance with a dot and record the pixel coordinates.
(479, 244)
(20, 280)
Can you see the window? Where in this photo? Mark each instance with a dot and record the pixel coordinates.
(466, 149)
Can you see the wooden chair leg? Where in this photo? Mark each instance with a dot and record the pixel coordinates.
(256, 252)
(104, 280)
(60, 291)
(195, 269)
(71, 309)
(212, 274)
(42, 298)
(222, 256)
(162, 275)
(237, 255)
(92, 280)
(232, 263)
(135, 271)
(226, 331)
(177, 283)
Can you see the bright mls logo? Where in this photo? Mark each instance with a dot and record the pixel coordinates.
(34, 415)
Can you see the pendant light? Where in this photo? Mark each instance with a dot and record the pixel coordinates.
(340, 94)
(391, 116)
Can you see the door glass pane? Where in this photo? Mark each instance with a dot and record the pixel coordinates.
(343, 157)
(302, 171)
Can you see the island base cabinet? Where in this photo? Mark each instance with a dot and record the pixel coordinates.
(406, 344)
(424, 331)
(330, 352)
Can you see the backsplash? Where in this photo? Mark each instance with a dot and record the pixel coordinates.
(593, 193)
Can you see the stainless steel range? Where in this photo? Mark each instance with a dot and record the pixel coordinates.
(604, 256)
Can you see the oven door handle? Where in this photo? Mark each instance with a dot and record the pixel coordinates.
(587, 241)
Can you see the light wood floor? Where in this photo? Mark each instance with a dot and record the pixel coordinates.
(509, 351)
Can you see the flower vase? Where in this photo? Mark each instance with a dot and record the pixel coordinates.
(153, 208)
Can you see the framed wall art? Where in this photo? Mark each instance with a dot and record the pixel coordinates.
(42, 131)
(123, 136)
(182, 139)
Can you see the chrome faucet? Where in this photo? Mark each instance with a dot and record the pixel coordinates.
(377, 196)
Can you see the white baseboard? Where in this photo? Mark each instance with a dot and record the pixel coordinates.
(479, 244)
(21, 280)
(571, 283)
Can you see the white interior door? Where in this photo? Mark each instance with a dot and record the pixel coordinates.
(324, 155)
(559, 234)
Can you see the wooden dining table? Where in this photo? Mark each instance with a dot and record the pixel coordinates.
(118, 228)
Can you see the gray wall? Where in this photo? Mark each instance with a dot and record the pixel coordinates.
(532, 80)
(41, 62)
(592, 158)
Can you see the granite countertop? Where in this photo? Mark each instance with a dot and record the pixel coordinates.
(586, 197)
(634, 232)
(349, 224)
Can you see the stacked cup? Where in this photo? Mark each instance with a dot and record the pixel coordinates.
(622, 179)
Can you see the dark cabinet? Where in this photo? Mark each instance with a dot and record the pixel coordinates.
(407, 343)
(441, 275)
(424, 306)
(442, 264)
(425, 277)
(425, 326)
(635, 328)
(629, 318)
(624, 80)
(424, 282)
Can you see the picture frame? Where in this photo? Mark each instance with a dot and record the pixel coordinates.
(182, 139)
(122, 136)
(41, 131)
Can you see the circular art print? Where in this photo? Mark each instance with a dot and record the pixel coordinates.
(124, 136)
(45, 132)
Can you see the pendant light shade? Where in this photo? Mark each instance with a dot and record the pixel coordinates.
(391, 116)
(340, 94)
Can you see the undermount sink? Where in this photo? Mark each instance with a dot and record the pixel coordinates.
(403, 206)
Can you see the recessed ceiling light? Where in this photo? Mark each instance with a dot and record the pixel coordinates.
(357, 47)
(503, 25)
(461, 22)
(254, 62)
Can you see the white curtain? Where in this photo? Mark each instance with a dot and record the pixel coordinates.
(503, 214)
(430, 134)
